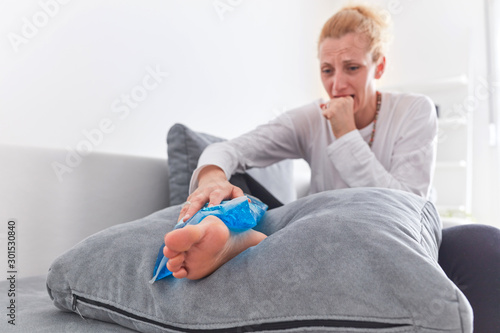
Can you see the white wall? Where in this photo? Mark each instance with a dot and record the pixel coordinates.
(238, 68)
(227, 72)
(485, 181)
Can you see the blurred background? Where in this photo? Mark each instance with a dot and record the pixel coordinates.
(129, 70)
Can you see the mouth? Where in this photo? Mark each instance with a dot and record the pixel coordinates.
(340, 96)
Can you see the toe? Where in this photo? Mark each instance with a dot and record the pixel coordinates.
(169, 253)
(180, 274)
(181, 240)
(175, 263)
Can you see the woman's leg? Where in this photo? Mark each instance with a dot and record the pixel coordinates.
(470, 256)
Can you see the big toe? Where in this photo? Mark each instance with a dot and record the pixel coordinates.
(181, 240)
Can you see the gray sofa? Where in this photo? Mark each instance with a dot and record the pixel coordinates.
(53, 211)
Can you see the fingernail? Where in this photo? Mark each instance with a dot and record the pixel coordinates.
(185, 218)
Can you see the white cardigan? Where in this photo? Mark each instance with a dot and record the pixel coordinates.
(402, 156)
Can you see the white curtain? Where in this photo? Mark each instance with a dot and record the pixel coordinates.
(492, 12)
(492, 8)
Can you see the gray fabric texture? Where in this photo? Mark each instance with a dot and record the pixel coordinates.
(35, 312)
(184, 148)
(361, 255)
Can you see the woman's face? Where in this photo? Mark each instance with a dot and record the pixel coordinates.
(347, 69)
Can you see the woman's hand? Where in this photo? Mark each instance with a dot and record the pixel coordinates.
(213, 187)
(339, 111)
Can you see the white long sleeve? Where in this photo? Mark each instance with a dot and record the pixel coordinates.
(402, 156)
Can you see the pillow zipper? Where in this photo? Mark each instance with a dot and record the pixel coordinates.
(292, 324)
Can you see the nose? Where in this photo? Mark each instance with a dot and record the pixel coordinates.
(339, 83)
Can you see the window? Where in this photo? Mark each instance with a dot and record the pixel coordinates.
(492, 13)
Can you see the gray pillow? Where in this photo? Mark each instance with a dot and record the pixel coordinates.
(352, 260)
(184, 147)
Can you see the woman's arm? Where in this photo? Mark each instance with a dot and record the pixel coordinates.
(412, 153)
(265, 145)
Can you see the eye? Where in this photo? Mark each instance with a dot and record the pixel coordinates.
(352, 68)
(326, 71)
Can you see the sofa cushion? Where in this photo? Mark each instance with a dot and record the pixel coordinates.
(354, 260)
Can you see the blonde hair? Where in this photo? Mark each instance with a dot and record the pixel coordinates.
(372, 25)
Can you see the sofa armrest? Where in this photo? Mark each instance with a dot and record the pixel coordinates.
(55, 210)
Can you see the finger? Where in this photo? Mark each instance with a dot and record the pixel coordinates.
(185, 207)
(183, 211)
(193, 204)
(197, 202)
(327, 113)
(182, 215)
(237, 192)
(216, 197)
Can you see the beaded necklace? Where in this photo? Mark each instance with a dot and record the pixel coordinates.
(379, 101)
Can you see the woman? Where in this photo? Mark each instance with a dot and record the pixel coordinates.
(359, 138)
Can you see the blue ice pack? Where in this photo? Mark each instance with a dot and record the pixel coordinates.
(238, 215)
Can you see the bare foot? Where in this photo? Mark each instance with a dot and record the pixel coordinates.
(196, 251)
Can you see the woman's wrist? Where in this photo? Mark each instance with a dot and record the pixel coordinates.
(211, 172)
